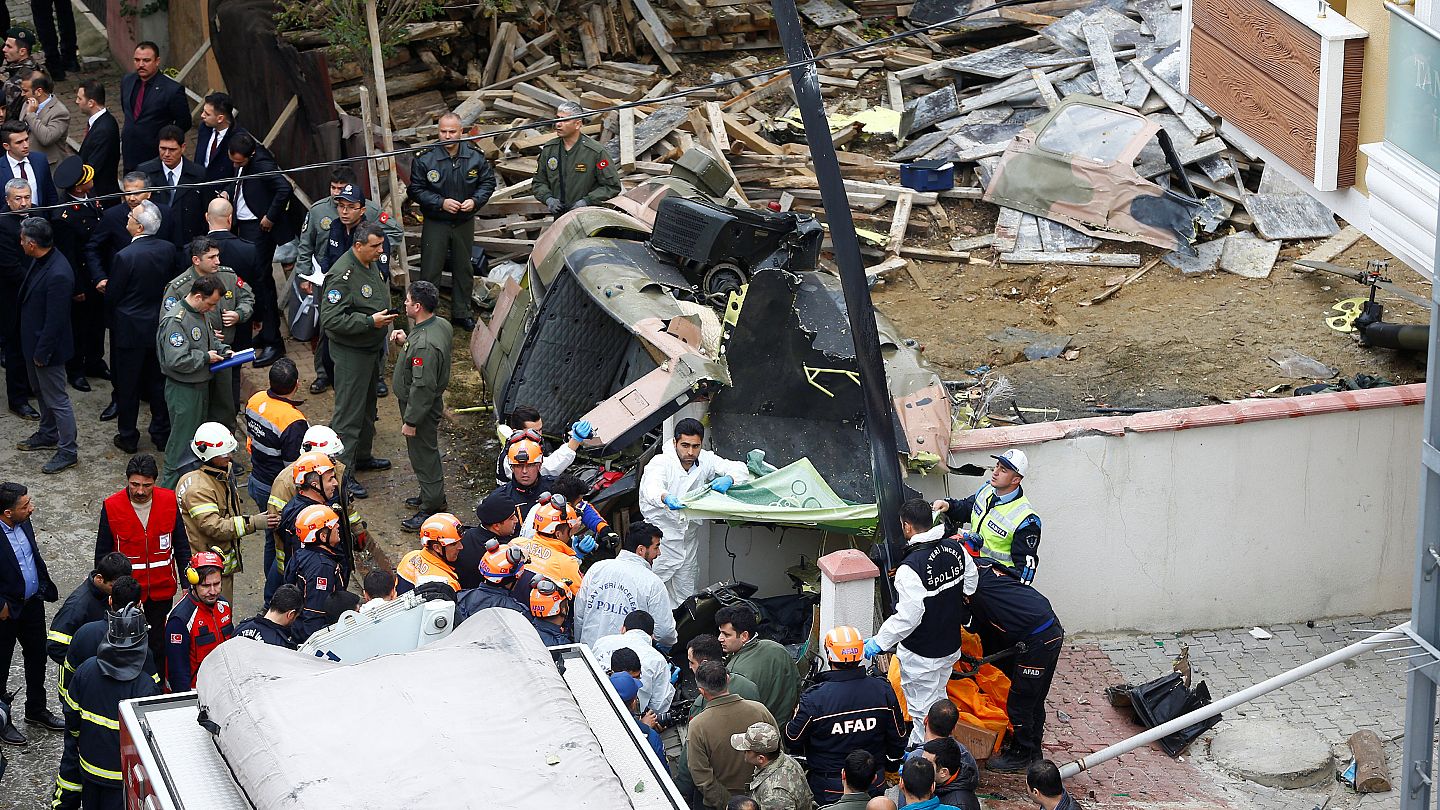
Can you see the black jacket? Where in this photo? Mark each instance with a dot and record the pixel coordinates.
(12, 583)
(13, 260)
(75, 226)
(843, 711)
(472, 550)
(85, 604)
(267, 196)
(94, 722)
(42, 188)
(101, 151)
(1007, 611)
(137, 286)
(262, 629)
(488, 595)
(220, 167)
(164, 103)
(45, 310)
(435, 176)
(84, 646)
(110, 237)
(187, 205)
(237, 254)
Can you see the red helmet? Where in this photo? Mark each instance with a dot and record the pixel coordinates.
(207, 559)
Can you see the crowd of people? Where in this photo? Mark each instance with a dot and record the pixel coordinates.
(175, 260)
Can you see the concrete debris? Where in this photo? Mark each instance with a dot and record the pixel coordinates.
(1205, 260)
(1247, 255)
(1260, 634)
(1274, 754)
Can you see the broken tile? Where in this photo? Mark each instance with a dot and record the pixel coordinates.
(1207, 258)
(984, 240)
(1057, 237)
(1282, 211)
(928, 109)
(999, 62)
(1245, 254)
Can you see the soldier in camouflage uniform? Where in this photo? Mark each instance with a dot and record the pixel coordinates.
(354, 314)
(19, 64)
(574, 169)
(187, 347)
(779, 781)
(422, 372)
(236, 306)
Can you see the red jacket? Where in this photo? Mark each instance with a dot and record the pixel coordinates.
(191, 632)
(152, 548)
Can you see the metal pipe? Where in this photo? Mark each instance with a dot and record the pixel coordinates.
(859, 309)
(1395, 633)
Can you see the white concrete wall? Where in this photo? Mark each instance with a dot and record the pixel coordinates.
(1245, 523)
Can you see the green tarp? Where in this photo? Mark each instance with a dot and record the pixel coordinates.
(794, 495)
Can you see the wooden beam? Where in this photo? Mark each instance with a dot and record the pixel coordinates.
(194, 60)
(657, 28)
(497, 53)
(658, 45)
(281, 121)
(627, 139)
(716, 118)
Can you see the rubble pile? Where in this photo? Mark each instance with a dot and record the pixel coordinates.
(951, 101)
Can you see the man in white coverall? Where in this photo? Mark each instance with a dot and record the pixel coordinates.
(930, 586)
(680, 469)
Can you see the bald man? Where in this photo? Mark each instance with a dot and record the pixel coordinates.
(451, 181)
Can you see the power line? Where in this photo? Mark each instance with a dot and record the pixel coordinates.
(547, 122)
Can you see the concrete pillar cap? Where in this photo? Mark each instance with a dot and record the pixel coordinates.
(847, 565)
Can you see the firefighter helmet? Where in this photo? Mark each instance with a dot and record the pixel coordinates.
(322, 439)
(312, 519)
(844, 645)
(501, 562)
(212, 440)
(311, 462)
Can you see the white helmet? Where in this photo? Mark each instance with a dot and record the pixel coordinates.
(321, 439)
(212, 439)
(1015, 460)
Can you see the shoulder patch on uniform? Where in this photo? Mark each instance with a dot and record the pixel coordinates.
(333, 296)
(195, 333)
(384, 217)
(602, 164)
(417, 361)
(176, 638)
(170, 301)
(176, 339)
(321, 582)
(239, 282)
(433, 176)
(229, 294)
(384, 258)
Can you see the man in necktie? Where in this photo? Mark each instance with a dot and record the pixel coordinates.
(217, 127)
(101, 146)
(182, 176)
(150, 100)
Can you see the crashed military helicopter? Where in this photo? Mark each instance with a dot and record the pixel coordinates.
(671, 295)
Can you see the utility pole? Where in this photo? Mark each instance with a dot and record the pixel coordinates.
(1417, 788)
(400, 274)
(859, 309)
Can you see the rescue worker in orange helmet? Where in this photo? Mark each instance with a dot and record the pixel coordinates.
(500, 569)
(435, 559)
(548, 550)
(845, 710)
(317, 566)
(549, 611)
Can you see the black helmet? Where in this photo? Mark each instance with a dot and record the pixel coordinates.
(123, 652)
(127, 627)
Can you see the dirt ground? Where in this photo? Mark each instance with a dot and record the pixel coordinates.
(1167, 340)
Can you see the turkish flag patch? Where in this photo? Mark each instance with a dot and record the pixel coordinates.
(321, 583)
(175, 638)
(417, 362)
(239, 282)
(384, 217)
(602, 164)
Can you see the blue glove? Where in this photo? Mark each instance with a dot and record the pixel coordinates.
(872, 648)
(585, 545)
(582, 430)
(722, 484)
(974, 541)
(674, 674)
(673, 502)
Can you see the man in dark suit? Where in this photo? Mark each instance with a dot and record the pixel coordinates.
(25, 587)
(261, 215)
(46, 342)
(112, 233)
(212, 144)
(100, 150)
(133, 296)
(19, 161)
(12, 271)
(150, 100)
(235, 253)
(172, 168)
(74, 223)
